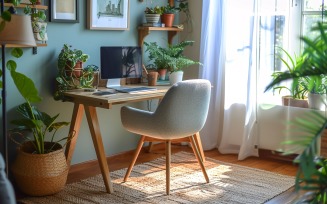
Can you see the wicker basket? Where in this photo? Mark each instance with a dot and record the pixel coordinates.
(40, 174)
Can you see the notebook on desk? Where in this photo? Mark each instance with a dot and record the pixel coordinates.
(123, 89)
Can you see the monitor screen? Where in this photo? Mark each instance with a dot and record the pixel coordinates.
(121, 62)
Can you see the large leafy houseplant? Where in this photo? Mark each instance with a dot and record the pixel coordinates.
(170, 57)
(312, 173)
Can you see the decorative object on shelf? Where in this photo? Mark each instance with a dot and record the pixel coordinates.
(152, 15)
(39, 26)
(170, 57)
(168, 15)
(64, 11)
(110, 17)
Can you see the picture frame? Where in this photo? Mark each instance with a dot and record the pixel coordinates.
(102, 16)
(63, 11)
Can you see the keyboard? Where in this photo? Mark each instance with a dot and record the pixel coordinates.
(134, 89)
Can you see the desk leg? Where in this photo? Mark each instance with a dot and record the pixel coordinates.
(74, 129)
(93, 122)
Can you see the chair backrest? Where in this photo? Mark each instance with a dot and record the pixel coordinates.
(184, 109)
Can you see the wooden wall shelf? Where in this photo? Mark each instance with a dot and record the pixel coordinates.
(144, 31)
(43, 7)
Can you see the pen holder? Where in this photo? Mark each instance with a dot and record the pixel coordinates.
(152, 78)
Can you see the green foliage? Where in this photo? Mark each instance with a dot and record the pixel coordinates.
(33, 120)
(171, 57)
(66, 79)
(154, 10)
(312, 175)
(68, 57)
(300, 85)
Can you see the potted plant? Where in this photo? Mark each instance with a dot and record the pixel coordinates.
(40, 167)
(299, 88)
(70, 61)
(170, 58)
(71, 74)
(152, 15)
(317, 92)
(168, 15)
(312, 173)
(38, 17)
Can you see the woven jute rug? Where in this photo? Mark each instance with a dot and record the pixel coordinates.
(229, 183)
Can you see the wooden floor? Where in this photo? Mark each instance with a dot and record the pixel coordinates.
(85, 170)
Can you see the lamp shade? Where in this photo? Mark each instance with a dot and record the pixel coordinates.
(18, 32)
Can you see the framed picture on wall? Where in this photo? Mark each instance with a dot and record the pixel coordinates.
(108, 15)
(64, 11)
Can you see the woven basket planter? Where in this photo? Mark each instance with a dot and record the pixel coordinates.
(40, 174)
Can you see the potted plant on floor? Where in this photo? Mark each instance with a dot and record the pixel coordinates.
(40, 167)
(170, 58)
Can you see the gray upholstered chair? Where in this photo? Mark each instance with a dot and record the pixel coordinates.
(181, 114)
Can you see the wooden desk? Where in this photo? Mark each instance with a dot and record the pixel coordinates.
(87, 101)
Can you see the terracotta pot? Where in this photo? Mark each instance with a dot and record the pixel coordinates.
(167, 19)
(162, 74)
(77, 70)
(40, 174)
(152, 78)
(289, 101)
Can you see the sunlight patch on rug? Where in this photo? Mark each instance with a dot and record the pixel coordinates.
(229, 183)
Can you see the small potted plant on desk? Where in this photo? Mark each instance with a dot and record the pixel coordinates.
(71, 74)
(170, 58)
(40, 167)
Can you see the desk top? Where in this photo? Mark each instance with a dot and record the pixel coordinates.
(106, 101)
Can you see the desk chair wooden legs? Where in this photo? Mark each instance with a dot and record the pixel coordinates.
(189, 139)
(181, 113)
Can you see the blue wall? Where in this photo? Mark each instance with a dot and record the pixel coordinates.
(42, 68)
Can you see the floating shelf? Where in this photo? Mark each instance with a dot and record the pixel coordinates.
(144, 31)
(43, 7)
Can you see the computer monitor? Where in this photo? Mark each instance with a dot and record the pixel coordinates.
(120, 62)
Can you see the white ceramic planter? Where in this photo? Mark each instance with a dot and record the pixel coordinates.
(176, 77)
(317, 101)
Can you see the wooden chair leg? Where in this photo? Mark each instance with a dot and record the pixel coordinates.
(136, 154)
(168, 160)
(198, 157)
(198, 142)
(149, 147)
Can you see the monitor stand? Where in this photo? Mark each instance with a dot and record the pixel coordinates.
(113, 83)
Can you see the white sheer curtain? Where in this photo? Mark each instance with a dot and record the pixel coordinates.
(237, 51)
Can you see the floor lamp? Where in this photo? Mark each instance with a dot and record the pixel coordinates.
(17, 33)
